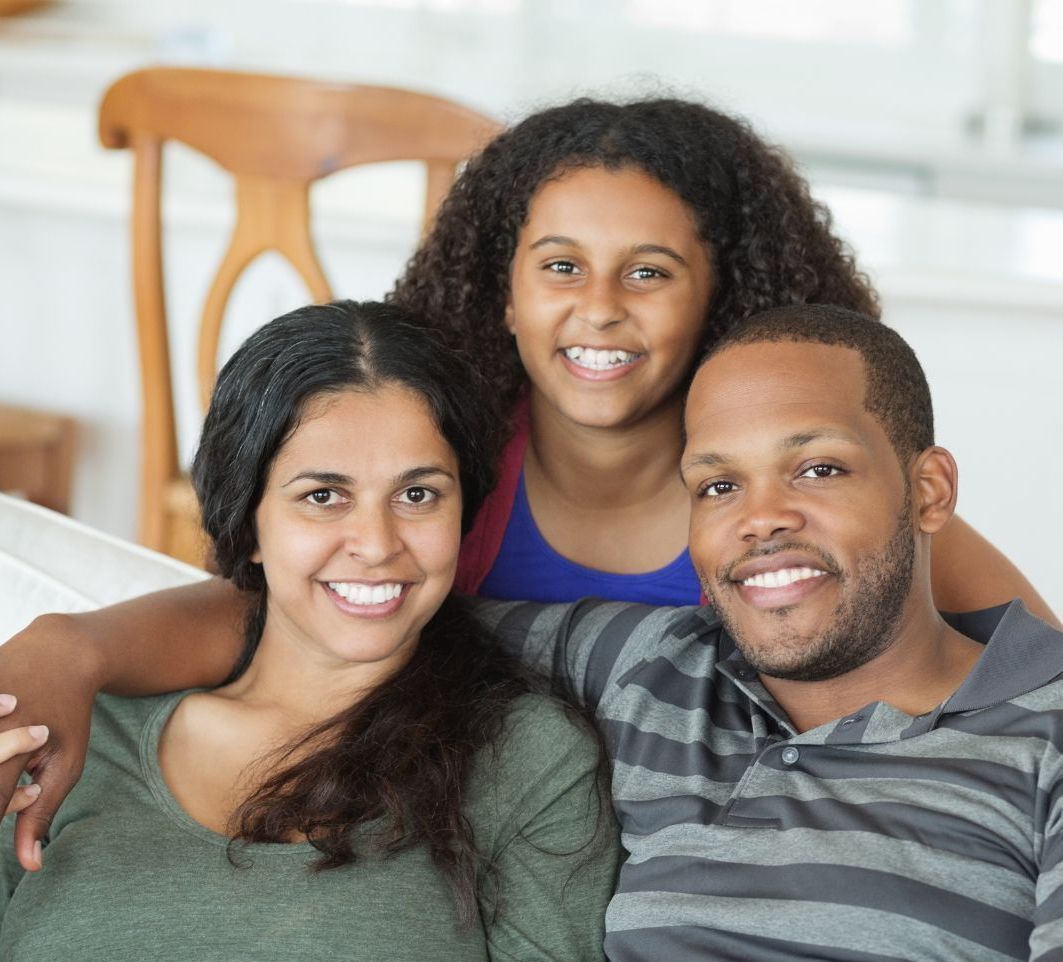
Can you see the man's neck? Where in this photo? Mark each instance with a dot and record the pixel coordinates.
(924, 664)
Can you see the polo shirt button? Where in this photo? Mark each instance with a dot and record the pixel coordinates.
(790, 755)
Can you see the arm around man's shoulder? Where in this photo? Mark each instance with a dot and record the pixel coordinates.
(586, 645)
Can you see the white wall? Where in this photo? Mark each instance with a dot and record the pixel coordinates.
(978, 290)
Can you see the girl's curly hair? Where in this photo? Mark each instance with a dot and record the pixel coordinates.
(771, 244)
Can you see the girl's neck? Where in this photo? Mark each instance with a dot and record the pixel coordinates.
(617, 468)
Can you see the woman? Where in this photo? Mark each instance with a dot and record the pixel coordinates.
(584, 260)
(376, 780)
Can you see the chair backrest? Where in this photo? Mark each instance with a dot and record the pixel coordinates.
(276, 136)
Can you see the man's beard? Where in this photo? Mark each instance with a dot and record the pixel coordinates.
(860, 628)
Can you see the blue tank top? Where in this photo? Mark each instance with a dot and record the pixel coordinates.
(527, 568)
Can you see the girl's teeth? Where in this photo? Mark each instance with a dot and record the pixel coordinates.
(598, 360)
(358, 594)
(781, 578)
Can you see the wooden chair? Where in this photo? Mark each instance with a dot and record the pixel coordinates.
(276, 136)
(36, 456)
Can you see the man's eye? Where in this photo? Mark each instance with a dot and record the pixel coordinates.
(418, 495)
(716, 489)
(821, 471)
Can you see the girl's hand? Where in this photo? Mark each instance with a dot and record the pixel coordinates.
(20, 741)
(50, 666)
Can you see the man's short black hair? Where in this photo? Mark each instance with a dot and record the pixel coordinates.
(896, 393)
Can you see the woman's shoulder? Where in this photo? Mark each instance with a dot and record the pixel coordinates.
(543, 749)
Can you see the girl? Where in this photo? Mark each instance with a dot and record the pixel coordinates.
(376, 779)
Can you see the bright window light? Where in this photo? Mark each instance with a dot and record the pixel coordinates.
(884, 23)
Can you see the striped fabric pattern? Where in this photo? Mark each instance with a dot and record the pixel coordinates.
(879, 836)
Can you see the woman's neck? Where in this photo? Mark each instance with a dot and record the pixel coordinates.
(300, 688)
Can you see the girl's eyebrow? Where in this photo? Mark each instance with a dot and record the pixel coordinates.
(345, 480)
(639, 249)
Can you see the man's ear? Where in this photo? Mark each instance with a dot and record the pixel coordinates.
(934, 488)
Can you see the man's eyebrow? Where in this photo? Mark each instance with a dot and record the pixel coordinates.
(714, 459)
(344, 480)
(800, 439)
(639, 249)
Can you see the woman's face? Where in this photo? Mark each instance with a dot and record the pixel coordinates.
(609, 289)
(358, 529)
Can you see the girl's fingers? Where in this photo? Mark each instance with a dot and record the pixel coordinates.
(7, 704)
(24, 796)
(21, 741)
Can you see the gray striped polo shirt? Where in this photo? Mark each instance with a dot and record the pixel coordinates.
(879, 836)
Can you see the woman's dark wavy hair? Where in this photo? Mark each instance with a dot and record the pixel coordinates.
(401, 755)
(771, 244)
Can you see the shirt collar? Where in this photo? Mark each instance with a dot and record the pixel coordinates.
(1022, 654)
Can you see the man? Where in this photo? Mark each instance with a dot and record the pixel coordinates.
(821, 767)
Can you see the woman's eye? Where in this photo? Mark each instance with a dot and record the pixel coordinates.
(821, 471)
(323, 497)
(562, 267)
(716, 489)
(418, 496)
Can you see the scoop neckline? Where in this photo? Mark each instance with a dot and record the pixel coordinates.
(621, 577)
(148, 750)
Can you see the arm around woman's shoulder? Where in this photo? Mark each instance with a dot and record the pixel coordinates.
(541, 811)
(178, 638)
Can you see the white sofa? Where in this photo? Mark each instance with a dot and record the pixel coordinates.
(50, 563)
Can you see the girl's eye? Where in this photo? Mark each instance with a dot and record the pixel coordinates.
(418, 496)
(821, 471)
(562, 267)
(716, 489)
(646, 273)
(323, 497)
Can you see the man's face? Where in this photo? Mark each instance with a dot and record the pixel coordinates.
(801, 527)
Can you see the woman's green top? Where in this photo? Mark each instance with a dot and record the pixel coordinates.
(128, 875)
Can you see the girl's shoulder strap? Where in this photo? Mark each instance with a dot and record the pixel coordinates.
(481, 545)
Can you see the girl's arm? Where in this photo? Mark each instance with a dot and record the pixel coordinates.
(183, 637)
(969, 573)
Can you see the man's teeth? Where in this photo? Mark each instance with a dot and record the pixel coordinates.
(781, 578)
(358, 594)
(598, 360)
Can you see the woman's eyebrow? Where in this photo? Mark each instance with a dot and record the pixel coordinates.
(420, 473)
(345, 480)
(320, 477)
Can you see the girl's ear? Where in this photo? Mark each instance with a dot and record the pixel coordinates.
(510, 320)
(934, 488)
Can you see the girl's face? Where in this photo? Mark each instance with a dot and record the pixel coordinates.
(358, 530)
(609, 290)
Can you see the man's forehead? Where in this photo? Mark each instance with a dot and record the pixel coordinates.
(749, 376)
